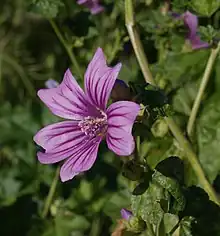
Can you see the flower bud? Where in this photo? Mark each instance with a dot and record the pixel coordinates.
(51, 84)
(120, 91)
(131, 222)
(126, 214)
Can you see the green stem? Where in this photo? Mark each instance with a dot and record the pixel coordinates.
(51, 193)
(204, 82)
(136, 42)
(183, 142)
(150, 229)
(192, 159)
(67, 47)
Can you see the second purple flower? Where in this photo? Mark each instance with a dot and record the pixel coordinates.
(93, 5)
(89, 120)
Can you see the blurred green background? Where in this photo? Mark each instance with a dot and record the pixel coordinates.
(31, 53)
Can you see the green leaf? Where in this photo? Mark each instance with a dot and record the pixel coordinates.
(186, 226)
(185, 97)
(172, 167)
(179, 68)
(205, 7)
(156, 150)
(208, 128)
(173, 188)
(66, 223)
(115, 203)
(170, 221)
(47, 8)
(204, 212)
(147, 205)
(9, 189)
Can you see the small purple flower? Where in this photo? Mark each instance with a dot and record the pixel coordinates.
(89, 120)
(51, 83)
(126, 214)
(93, 5)
(191, 22)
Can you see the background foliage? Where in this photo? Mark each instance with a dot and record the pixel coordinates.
(30, 53)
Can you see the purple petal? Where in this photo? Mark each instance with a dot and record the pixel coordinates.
(67, 100)
(197, 43)
(126, 214)
(100, 79)
(81, 1)
(82, 160)
(93, 5)
(191, 22)
(59, 140)
(121, 116)
(97, 9)
(51, 84)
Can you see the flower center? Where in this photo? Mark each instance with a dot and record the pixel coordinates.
(94, 126)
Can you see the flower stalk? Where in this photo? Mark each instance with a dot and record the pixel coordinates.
(136, 42)
(51, 193)
(203, 85)
(67, 47)
(176, 131)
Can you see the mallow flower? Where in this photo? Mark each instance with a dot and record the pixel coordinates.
(88, 119)
(93, 5)
(191, 22)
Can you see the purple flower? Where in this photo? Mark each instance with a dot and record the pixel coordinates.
(126, 214)
(89, 120)
(51, 83)
(191, 22)
(93, 5)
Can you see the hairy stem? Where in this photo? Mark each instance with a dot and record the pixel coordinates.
(51, 193)
(150, 230)
(202, 88)
(176, 131)
(67, 47)
(136, 42)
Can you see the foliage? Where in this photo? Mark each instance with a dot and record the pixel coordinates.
(155, 182)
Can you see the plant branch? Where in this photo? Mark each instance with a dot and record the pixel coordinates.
(204, 82)
(183, 142)
(67, 47)
(51, 193)
(150, 229)
(136, 42)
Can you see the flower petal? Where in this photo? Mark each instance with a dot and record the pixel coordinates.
(121, 116)
(93, 5)
(191, 21)
(67, 100)
(59, 140)
(126, 214)
(100, 79)
(82, 160)
(197, 43)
